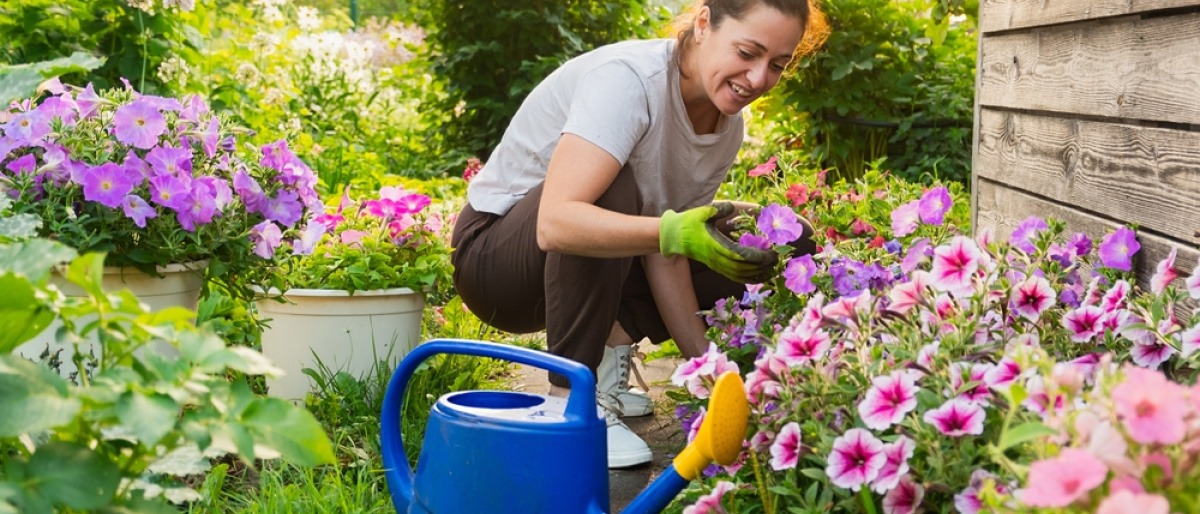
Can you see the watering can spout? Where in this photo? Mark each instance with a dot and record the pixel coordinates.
(719, 440)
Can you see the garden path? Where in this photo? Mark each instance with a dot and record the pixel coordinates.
(660, 430)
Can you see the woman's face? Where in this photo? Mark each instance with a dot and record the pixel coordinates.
(741, 60)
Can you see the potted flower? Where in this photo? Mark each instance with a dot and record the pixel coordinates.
(350, 290)
(158, 184)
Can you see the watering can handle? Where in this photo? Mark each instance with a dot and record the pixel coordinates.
(581, 404)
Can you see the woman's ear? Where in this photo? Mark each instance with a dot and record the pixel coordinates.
(702, 23)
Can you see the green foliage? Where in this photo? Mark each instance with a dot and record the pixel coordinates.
(19, 81)
(892, 82)
(133, 43)
(492, 53)
(122, 434)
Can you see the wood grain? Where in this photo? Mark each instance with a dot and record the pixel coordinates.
(997, 15)
(1130, 68)
(1141, 175)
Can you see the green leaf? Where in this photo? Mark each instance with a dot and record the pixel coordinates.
(150, 417)
(34, 397)
(87, 271)
(1026, 432)
(35, 258)
(22, 315)
(158, 506)
(73, 475)
(21, 80)
(290, 430)
(813, 473)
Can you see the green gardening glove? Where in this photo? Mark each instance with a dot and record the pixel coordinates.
(693, 234)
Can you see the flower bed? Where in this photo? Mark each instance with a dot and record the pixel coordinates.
(909, 367)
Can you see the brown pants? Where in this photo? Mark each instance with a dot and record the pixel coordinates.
(511, 284)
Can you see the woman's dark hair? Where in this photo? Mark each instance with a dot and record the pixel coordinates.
(816, 26)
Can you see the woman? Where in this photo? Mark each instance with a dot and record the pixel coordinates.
(593, 220)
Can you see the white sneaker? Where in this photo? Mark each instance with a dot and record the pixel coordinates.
(612, 379)
(625, 448)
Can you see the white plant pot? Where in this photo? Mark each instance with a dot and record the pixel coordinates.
(179, 286)
(349, 333)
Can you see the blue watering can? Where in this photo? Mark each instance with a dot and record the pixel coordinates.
(513, 452)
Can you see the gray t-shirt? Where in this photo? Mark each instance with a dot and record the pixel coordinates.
(624, 98)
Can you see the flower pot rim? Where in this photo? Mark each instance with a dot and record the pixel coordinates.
(337, 292)
(170, 268)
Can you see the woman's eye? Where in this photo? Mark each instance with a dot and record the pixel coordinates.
(778, 67)
(745, 55)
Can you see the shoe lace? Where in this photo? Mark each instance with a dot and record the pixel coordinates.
(624, 366)
(610, 404)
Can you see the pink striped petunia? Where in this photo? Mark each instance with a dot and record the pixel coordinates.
(957, 417)
(1031, 297)
(1164, 273)
(1193, 282)
(797, 346)
(904, 498)
(908, 295)
(855, 460)
(955, 264)
(888, 400)
(896, 466)
(785, 451)
(1084, 323)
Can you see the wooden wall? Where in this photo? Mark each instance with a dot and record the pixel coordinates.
(1089, 111)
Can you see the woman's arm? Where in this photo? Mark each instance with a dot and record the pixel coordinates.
(670, 281)
(568, 219)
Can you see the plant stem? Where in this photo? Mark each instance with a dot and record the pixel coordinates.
(868, 502)
(760, 480)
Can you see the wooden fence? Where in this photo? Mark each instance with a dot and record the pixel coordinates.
(1088, 111)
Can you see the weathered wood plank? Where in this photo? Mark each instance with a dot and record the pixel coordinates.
(1123, 68)
(1141, 175)
(1000, 209)
(997, 15)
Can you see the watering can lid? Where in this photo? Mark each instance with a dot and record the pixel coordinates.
(506, 405)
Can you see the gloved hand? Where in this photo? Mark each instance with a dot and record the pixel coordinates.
(693, 234)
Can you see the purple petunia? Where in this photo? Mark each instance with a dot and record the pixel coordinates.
(139, 124)
(797, 275)
(284, 208)
(1025, 233)
(166, 160)
(23, 165)
(779, 224)
(266, 238)
(107, 184)
(933, 205)
(249, 191)
(906, 218)
(171, 192)
(1117, 249)
(137, 210)
(28, 128)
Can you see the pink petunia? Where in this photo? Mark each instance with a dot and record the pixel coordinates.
(855, 460)
(1164, 274)
(1084, 323)
(1125, 502)
(896, 466)
(974, 374)
(967, 501)
(955, 264)
(1059, 481)
(1193, 282)
(710, 503)
(765, 168)
(785, 451)
(888, 400)
(905, 498)
(698, 372)
(1031, 297)
(1151, 407)
(1189, 341)
(797, 345)
(1117, 296)
(905, 296)
(957, 417)
(906, 218)
(1149, 352)
(1003, 374)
